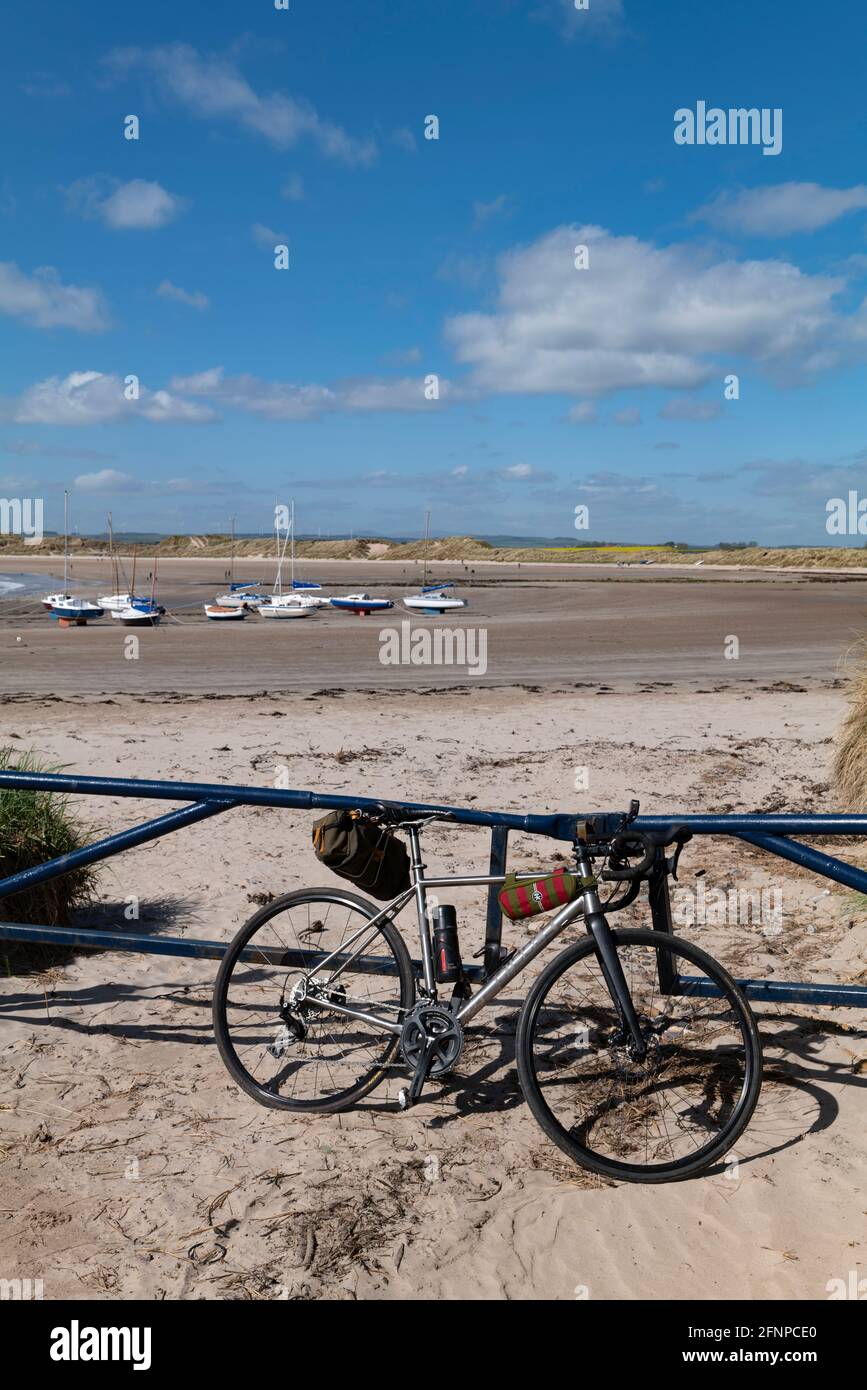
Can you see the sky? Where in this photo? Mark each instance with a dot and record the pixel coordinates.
(430, 338)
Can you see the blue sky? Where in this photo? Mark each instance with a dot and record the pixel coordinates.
(411, 257)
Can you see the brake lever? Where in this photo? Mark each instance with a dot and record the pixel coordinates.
(672, 863)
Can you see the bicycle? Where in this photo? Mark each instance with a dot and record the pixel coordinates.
(636, 1071)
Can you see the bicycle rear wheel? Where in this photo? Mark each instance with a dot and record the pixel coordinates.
(276, 1033)
(674, 1112)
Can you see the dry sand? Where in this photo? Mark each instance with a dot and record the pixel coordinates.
(133, 1167)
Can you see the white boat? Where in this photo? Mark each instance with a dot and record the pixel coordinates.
(244, 596)
(241, 595)
(298, 602)
(309, 601)
(142, 615)
(432, 598)
(275, 609)
(361, 603)
(143, 612)
(65, 605)
(218, 612)
(117, 603)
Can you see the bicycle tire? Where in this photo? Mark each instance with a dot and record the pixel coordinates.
(533, 1091)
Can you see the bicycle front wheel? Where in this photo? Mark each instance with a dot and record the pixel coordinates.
(656, 1118)
(280, 990)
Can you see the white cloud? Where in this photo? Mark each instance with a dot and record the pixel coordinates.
(779, 209)
(107, 480)
(194, 300)
(602, 19)
(284, 400)
(111, 480)
(266, 236)
(584, 413)
(94, 398)
(630, 416)
(209, 87)
(137, 205)
(45, 87)
(41, 299)
(686, 408)
(293, 189)
(497, 207)
(643, 315)
(404, 139)
(462, 270)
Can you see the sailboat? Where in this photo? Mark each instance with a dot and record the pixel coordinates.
(432, 599)
(230, 607)
(142, 612)
(65, 606)
(277, 604)
(239, 597)
(116, 603)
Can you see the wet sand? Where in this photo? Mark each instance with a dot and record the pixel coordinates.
(541, 625)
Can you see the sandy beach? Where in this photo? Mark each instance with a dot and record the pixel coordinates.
(544, 625)
(134, 1168)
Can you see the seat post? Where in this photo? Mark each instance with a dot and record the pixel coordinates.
(417, 868)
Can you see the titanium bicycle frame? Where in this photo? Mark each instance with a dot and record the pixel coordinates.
(587, 905)
(771, 833)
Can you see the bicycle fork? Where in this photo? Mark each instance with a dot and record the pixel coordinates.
(609, 961)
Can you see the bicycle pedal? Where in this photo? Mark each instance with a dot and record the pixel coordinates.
(404, 1099)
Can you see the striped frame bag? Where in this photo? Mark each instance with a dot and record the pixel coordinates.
(527, 897)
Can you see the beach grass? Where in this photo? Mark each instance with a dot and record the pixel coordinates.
(34, 827)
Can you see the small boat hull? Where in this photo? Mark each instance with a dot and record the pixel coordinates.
(76, 610)
(246, 597)
(284, 610)
(215, 612)
(362, 604)
(141, 617)
(433, 603)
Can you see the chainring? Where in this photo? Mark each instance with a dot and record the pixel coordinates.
(426, 1021)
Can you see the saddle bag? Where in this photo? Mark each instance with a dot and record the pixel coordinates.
(527, 897)
(369, 855)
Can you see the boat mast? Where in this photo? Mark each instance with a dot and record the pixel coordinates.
(292, 524)
(232, 559)
(114, 576)
(426, 539)
(278, 581)
(66, 545)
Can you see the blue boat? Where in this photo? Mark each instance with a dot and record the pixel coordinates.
(362, 604)
(76, 610)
